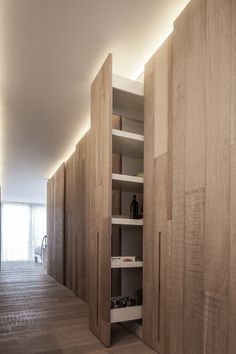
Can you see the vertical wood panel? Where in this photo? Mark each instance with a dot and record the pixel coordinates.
(59, 235)
(157, 196)
(178, 188)
(194, 271)
(232, 293)
(161, 260)
(77, 211)
(232, 290)
(81, 216)
(202, 133)
(195, 95)
(161, 99)
(189, 38)
(67, 226)
(187, 285)
(218, 124)
(55, 224)
(100, 198)
(71, 229)
(148, 296)
(233, 102)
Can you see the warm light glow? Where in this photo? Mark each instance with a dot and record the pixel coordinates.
(166, 29)
(165, 24)
(140, 70)
(71, 149)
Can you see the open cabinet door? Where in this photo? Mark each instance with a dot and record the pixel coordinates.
(100, 202)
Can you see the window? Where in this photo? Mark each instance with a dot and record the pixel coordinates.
(23, 227)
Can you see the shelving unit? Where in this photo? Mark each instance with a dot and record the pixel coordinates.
(128, 142)
(112, 190)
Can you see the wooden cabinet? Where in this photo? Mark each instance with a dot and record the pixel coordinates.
(71, 231)
(55, 224)
(100, 203)
(203, 233)
(157, 196)
(77, 220)
(68, 221)
(82, 217)
(116, 153)
(189, 163)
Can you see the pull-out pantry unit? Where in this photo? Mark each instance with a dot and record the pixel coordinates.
(116, 237)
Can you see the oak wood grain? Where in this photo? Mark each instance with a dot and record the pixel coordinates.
(81, 216)
(55, 224)
(101, 202)
(148, 291)
(194, 271)
(176, 291)
(70, 225)
(202, 170)
(232, 279)
(218, 127)
(157, 195)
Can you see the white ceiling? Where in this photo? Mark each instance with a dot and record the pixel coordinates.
(50, 51)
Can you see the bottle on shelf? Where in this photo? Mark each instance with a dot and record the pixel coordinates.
(134, 209)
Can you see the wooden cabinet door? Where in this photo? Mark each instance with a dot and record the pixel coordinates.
(55, 224)
(157, 197)
(100, 202)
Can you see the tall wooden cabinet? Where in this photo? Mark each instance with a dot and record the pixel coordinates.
(82, 217)
(77, 220)
(203, 230)
(100, 203)
(71, 230)
(189, 164)
(157, 196)
(55, 224)
(112, 182)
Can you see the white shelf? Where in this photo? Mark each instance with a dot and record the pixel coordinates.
(126, 265)
(127, 144)
(119, 220)
(126, 314)
(127, 85)
(128, 97)
(127, 183)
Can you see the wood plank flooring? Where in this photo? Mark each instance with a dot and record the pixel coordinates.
(39, 315)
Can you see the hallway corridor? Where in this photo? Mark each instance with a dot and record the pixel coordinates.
(38, 315)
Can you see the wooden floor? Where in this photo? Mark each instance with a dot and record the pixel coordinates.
(38, 315)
